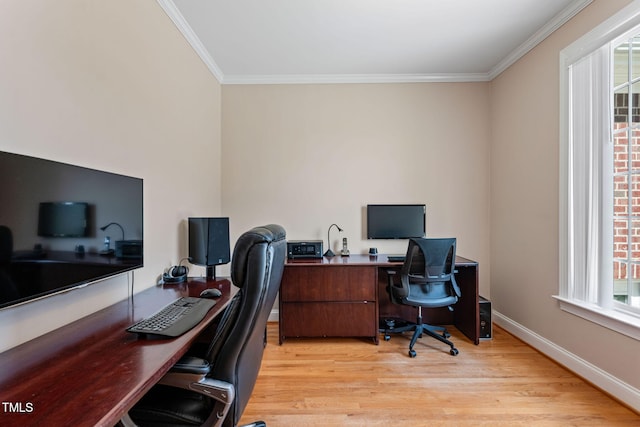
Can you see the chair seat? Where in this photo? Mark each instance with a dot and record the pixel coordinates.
(168, 406)
(431, 302)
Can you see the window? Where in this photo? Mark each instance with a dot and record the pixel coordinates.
(626, 170)
(600, 174)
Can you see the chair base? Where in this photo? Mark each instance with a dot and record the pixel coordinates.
(438, 332)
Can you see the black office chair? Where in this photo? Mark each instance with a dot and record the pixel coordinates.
(214, 390)
(426, 280)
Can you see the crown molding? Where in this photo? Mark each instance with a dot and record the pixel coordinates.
(354, 78)
(174, 14)
(558, 21)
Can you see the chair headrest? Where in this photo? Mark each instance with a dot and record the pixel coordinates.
(265, 234)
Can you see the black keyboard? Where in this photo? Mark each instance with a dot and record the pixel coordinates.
(174, 319)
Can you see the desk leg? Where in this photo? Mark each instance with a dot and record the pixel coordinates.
(467, 310)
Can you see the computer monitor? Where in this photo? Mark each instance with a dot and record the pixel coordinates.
(209, 243)
(63, 219)
(395, 221)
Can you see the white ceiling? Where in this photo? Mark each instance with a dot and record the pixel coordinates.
(299, 41)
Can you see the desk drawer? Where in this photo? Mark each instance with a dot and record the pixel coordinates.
(336, 283)
(322, 319)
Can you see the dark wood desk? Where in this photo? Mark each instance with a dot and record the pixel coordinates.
(346, 297)
(91, 372)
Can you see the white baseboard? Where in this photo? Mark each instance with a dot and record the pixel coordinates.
(619, 389)
(274, 316)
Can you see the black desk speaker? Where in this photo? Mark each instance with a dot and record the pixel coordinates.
(485, 319)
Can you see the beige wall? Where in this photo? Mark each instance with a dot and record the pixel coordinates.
(307, 156)
(110, 85)
(524, 204)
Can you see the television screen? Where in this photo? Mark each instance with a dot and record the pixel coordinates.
(51, 220)
(395, 221)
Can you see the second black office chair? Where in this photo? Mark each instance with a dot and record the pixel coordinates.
(214, 389)
(427, 280)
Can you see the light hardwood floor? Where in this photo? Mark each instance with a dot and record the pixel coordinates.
(352, 382)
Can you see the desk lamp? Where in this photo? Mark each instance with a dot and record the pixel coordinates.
(329, 253)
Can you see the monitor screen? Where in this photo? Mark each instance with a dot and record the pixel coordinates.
(52, 234)
(63, 219)
(395, 221)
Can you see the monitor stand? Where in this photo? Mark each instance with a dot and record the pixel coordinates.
(211, 272)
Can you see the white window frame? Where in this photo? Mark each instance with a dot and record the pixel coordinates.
(578, 268)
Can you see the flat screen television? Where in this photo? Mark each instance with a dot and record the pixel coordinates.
(395, 221)
(52, 234)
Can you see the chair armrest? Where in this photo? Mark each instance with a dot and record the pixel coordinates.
(222, 392)
(193, 365)
(394, 289)
(186, 372)
(190, 373)
(391, 274)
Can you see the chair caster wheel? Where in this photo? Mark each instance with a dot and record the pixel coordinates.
(412, 353)
(454, 351)
(446, 335)
(387, 337)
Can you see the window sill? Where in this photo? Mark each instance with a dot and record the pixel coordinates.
(615, 320)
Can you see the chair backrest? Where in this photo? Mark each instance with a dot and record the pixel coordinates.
(428, 272)
(238, 345)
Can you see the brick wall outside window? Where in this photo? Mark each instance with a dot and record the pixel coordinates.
(626, 207)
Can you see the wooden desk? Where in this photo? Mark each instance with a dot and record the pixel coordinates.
(91, 372)
(346, 297)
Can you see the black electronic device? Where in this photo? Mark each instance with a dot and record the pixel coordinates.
(304, 249)
(209, 242)
(63, 219)
(128, 249)
(395, 221)
(55, 207)
(174, 319)
(486, 327)
(396, 258)
(345, 247)
(176, 273)
(211, 293)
